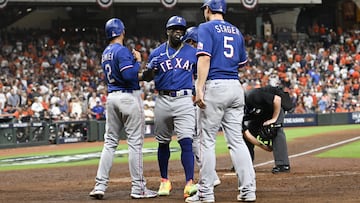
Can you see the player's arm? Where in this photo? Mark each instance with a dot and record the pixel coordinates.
(151, 67)
(125, 63)
(137, 57)
(203, 67)
(243, 56)
(276, 112)
(249, 137)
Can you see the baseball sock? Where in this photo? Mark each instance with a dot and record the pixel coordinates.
(163, 159)
(187, 158)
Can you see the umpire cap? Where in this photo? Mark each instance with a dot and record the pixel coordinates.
(113, 28)
(176, 21)
(218, 6)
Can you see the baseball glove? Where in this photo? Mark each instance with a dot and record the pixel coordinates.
(268, 132)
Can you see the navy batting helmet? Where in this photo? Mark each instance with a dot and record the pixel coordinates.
(114, 27)
(176, 21)
(191, 33)
(215, 5)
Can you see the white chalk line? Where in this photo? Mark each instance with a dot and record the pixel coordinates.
(307, 152)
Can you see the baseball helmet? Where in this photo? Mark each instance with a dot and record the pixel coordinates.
(176, 21)
(215, 5)
(114, 27)
(191, 33)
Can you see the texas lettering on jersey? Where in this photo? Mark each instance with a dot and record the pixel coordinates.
(176, 68)
(180, 63)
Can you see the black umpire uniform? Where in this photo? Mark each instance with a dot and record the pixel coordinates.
(265, 106)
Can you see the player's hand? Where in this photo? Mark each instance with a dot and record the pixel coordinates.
(199, 99)
(266, 147)
(154, 63)
(136, 55)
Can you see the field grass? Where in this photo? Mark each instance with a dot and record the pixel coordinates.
(351, 150)
(297, 132)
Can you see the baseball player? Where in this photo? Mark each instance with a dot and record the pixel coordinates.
(264, 109)
(191, 38)
(124, 111)
(219, 94)
(173, 64)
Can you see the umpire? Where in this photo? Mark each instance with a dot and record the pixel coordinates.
(264, 116)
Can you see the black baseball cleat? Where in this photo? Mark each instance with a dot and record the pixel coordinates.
(281, 169)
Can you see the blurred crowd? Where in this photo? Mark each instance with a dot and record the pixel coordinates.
(57, 75)
(321, 73)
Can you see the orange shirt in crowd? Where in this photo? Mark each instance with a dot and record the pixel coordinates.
(322, 30)
(343, 60)
(357, 57)
(23, 112)
(258, 45)
(297, 91)
(299, 109)
(45, 105)
(303, 80)
(355, 75)
(347, 87)
(316, 28)
(282, 75)
(340, 109)
(315, 100)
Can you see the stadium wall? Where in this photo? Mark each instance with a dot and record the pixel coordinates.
(43, 133)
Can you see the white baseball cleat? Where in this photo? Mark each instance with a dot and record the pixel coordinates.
(217, 182)
(145, 194)
(197, 199)
(97, 194)
(250, 197)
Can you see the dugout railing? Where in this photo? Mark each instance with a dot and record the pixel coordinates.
(14, 134)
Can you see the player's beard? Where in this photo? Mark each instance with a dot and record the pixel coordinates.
(175, 41)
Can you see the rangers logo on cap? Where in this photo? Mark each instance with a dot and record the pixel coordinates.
(105, 3)
(169, 3)
(3, 3)
(249, 4)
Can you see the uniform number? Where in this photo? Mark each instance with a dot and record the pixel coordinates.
(108, 73)
(229, 49)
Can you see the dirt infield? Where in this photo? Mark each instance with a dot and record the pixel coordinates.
(311, 179)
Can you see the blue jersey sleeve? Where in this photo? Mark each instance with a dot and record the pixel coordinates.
(205, 43)
(120, 68)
